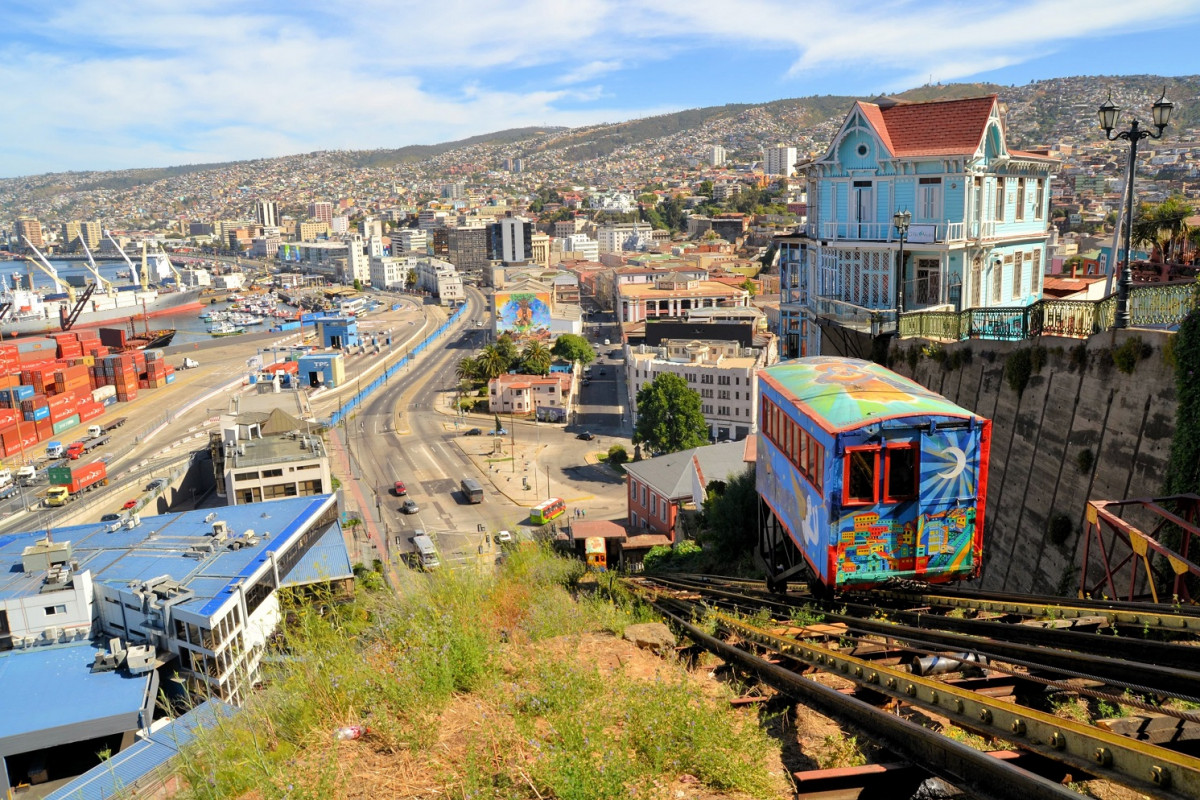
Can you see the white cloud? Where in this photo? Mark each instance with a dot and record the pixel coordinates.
(103, 84)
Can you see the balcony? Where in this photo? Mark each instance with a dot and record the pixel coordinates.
(919, 232)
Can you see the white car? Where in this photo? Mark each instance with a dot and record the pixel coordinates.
(504, 537)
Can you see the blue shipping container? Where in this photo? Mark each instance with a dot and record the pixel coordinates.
(38, 414)
(171, 378)
(289, 326)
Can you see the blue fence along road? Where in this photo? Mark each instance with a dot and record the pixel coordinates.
(355, 401)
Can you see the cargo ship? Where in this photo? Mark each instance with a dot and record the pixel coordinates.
(32, 312)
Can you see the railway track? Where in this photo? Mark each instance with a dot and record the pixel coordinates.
(990, 664)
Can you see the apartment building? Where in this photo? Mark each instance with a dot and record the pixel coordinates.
(439, 278)
(780, 160)
(547, 396)
(723, 371)
(310, 231)
(266, 455)
(716, 156)
(321, 211)
(579, 246)
(668, 294)
(30, 230)
(266, 213)
(410, 240)
(624, 236)
(467, 247)
(79, 230)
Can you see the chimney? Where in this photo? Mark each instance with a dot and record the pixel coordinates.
(1075, 270)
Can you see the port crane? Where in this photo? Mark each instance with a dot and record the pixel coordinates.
(132, 269)
(66, 318)
(109, 289)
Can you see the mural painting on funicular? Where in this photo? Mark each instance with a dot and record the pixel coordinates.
(874, 476)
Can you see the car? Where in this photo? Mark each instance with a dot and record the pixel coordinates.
(110, 518)
(603, 372)
(156, 485)
(499, 432)
(400, 489)
(130, 504)
(586, 436)
(473, 432)
(409, 507)
(504, 537)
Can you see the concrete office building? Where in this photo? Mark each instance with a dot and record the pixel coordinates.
(266, 212)
(260, 455)
(29, 229)
(512, 240)
(781, 160)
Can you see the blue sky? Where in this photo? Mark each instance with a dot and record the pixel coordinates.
(112, 84)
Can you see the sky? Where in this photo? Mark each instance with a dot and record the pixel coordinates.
(116, 84)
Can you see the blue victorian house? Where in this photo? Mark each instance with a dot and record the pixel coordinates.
(977, 214)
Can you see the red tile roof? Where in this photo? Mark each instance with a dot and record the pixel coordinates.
(938, 128)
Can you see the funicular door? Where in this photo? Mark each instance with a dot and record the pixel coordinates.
(946, 541)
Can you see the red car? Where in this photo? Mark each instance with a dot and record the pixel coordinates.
(129, 504)
(400, 489)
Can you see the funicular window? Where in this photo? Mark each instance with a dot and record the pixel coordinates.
(861, 476)
(900, 475)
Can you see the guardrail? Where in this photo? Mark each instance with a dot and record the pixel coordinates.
(1157, 306)
(355, 401)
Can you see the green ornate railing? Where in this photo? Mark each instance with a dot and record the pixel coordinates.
(1162, 305)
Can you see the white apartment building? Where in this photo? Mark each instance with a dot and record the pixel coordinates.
(391, 272)
(781, 160)
(616, 202)
(516, 245)
(439, 278)
(580, 246)
(253, 461)
(624, 236)
(430, 219)
(724, 373)
(410, 240)
(716, 156)
(340, 225)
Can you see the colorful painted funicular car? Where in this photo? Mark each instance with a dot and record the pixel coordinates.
(865, 477)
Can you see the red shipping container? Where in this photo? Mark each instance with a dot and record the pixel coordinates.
(8, 416)
(15, 442)
(59, 414)
(89, 411)
(44, 428)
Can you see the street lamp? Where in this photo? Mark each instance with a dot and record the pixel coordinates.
(1161, 115)
(900, 221)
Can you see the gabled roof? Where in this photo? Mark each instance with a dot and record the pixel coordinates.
(671, 475)
(936, 128)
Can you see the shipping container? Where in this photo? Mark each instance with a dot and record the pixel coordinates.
(66, 424)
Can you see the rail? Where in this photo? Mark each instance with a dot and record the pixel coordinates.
(866, 644)
(1157, 306)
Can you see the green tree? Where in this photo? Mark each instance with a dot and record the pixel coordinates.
(669, 416)
(498, 427)
(536, 358)
(491, 363)
(729, 510)
(467, 369)
(573, 347)
(507, 349)
(617, 454)
(357, 285)
(706, 188)
(410, 280)
(1163, 226)
(749, 286)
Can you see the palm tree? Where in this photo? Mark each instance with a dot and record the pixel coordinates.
(1163, 226)
(467, 369)
(491, 363)
(536, 358)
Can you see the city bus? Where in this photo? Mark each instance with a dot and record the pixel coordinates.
(472, 490)
(547, 510)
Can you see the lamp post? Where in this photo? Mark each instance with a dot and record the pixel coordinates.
(1161, 115)
(900, 221)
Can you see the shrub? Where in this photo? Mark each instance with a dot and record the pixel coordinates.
(1018, 368)
(1060, 528)
(1084, 461)
(912, 356)
(617, 454)
(1129, 353)
(1078, 358)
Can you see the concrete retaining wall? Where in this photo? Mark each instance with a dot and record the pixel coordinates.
(1125, 421)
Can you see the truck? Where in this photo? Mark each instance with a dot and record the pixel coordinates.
(26, 475)
(6, 478)
(54, 450)
(77, 449)
(67, 483)
(190, 363)
(99, 430)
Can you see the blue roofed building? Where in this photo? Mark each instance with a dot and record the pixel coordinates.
(192, 595)
(979, 217)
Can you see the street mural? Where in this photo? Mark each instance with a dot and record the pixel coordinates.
(523, 313)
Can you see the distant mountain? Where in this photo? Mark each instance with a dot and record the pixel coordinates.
(1040, 113)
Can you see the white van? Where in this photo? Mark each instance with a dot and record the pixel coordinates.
(427, 557)
(6, 478)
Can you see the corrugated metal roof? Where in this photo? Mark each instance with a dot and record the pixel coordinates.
(326, 560)
(51, 686)
(114, 777)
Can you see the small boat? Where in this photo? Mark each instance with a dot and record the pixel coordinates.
(224, 328)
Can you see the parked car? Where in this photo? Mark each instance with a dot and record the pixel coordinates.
(586, 436)
(500, 432)
(400, 489)
(130, 504)
(473, 432)
(504, 537)
(409, 507)
(110, 518)
(156, 485)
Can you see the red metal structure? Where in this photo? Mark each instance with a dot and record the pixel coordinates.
(1138, 549)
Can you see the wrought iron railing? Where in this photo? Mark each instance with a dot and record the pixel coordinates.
(1161, 305)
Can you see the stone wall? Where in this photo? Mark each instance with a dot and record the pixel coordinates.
(1037, 472)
